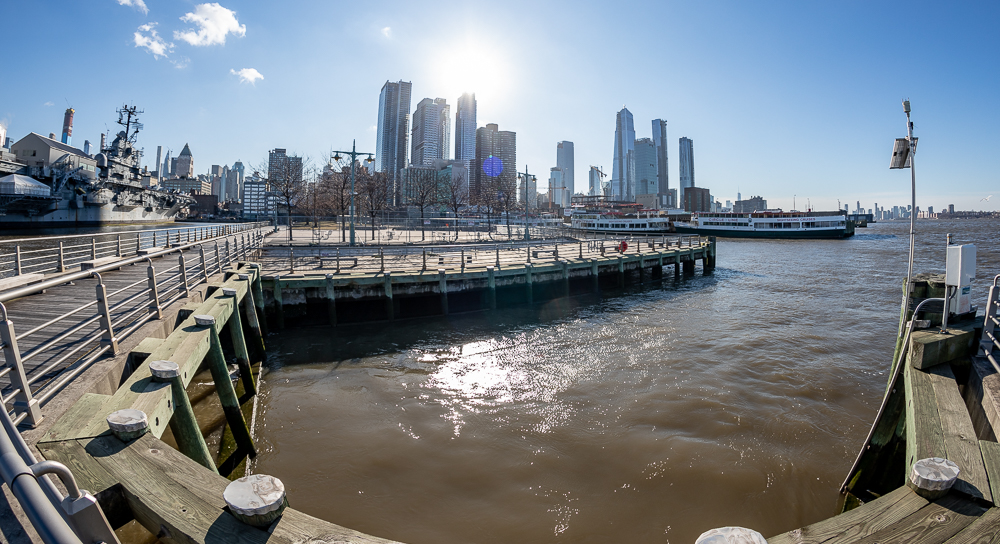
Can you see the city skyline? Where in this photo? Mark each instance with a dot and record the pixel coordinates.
(778, 79)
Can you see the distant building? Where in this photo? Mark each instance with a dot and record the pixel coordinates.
(496, 157)
(234, 182)
(623, 167)
(594, 182)
(215, 176)
(465, 128)
(558, 195)
(256, 202)
(184, 164)
(205, 205)
(662, 172)
(431, 132)
(528, 191)
(951, 208)
(392, 132)
(37, 150)
(685, 165)
(159, 159)
(194, 185)
(565, 162)
(697, 199)
(645, 167)
(283, 168)
(750, 205)
(441, 172)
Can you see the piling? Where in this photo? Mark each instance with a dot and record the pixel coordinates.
(258, 299)
(621, 272)
(250, 312)
(235, 326)
(491, 291)
(183, 423)
(390, 308)
(688, 266)
(224, 388)
(528, 283)
(565, 278)
(277, 299)
(331, 301)
(594, 276)
(443, 288)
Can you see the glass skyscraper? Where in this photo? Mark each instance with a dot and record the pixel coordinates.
(662, 172)
(564, 162)
(392, 132)
(623, 168)
(431, 131)
(465, 128)
(686, 166)
(645, 167)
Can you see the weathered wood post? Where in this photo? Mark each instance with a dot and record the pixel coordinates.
(581, 251)
(491, 285)
(621, 272)
(62, 258)
(118, 250)
(235, 326)
(565, 278)
(154, 295)
(463, 260)
(390, 306)
(381, 257)
(103, 309)
(224, 387)
(642, 264)
(555, 253)
(594, 275)
(93, 247)
(443, 289)
(184, 276)
(183, 424)
(258, 298)
(250, 312)
(424, 267)
(528, 268)
(256, 500)
(689, 266)
(277, 300)
(331, 301)
(498, 255)
(529, 254)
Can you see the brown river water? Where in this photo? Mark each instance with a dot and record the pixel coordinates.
(645, 415)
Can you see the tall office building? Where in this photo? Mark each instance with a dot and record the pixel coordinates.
(662, 172)
(623, 168)
(564, 162)
(185, 164)
(596, 188)
(431, 131)
(282, 168)
(496, 157)
(234, 181)
(392, 132)
(165, 169)
(159, 160)
(645, 167)
(686, 166)
(528, 190)
(215, 175)
(465, 128)
(557, 189)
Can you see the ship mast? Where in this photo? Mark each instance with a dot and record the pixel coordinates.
(128, 117)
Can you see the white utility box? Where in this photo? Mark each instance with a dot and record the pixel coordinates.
(960, 270)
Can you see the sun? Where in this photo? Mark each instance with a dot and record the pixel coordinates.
(470, 66)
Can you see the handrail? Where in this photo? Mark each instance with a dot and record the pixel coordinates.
(117, 233)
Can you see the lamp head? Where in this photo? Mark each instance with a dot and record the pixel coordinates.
(369, 159)
(906, 106)
(337, 157)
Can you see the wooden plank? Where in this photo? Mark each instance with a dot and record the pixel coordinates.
(82, 411)
(984, 530)
(857, 523)
(991, 459)
(932, 524)
(924, 437)
(960, 440)
(89, 474)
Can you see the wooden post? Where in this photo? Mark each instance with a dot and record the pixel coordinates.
(118, 253)
(642, 264)
(621, 272)
(93, 248)
(103, 309)
(463, 260)
(154, 295)
(17, 260)
(528, 283)
(595, 275)
(689, 266)
(424, 267)
(224, 388)
(250, 311)
(62, 258)
(555, 253)
(183, 424)
(184, 276)
(256, 500)
(204, 263)
(581, 251)
(277, 301)
(390, 306)
(258, 298)
(498, 255)
(491, 292)
(235, 326)
(331, 301)
(443, 289)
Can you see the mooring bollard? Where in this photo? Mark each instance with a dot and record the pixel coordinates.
(128, 424)
(931, 478)
(731, 535)
(183, 424)
(256, 500)
(224, 387)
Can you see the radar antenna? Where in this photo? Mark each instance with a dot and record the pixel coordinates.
(128, 117)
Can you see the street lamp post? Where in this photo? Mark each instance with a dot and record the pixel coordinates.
(353, 153)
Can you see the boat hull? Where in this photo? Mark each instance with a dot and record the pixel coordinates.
(780, 235)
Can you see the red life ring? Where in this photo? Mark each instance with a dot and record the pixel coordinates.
(622, 247)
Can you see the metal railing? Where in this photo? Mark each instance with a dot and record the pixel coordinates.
(991, 324)
(58, 254)
(66, 345)
(462, 256)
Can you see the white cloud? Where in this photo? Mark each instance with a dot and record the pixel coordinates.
(152, 41)
(181, 62)
(214, 23)
(137, 4)
(248, 75)
(387, 32)
(49, 104)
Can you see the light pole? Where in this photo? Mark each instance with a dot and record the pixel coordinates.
(902, 157)
(527, 187)
(354, 156)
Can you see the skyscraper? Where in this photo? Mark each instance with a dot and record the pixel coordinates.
(623, 168)
(564, 162)
(159, 160)
(595, 182)
(185, 164)
(465, 128)
(528, 190)
(686, 166)
(496, 157)
(234, 183)
(662, 172)
(431, 131)
(215, 175)
(556, 189)
(392, 132)
(645, 167)
(282, 168)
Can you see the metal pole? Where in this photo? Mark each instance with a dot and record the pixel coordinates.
(913, 216)
(353, 150)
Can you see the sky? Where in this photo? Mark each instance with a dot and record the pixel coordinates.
(798, 102)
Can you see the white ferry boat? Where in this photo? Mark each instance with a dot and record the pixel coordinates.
(768, 224)
(612, 223)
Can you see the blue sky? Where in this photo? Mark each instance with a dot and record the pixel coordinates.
(780, 98)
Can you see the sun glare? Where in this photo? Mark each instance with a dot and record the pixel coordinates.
(469, 66)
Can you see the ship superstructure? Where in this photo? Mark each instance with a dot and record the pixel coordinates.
(83, 190)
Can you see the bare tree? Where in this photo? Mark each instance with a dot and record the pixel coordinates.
(507, 199)
(335, 193)
(374, 192)
(286, 181)
(456, 195)
(423, 192)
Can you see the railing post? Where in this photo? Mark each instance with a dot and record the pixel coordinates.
(17, 260)
(218, 260)
(138, 242)
(154, 295)
(381, 257)
(18, 380)
(229, 254)
(184, 276)
(93, 248)
(108, 334)
(118, 251)
(424, 267)
(204, 263)
(62, 258)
